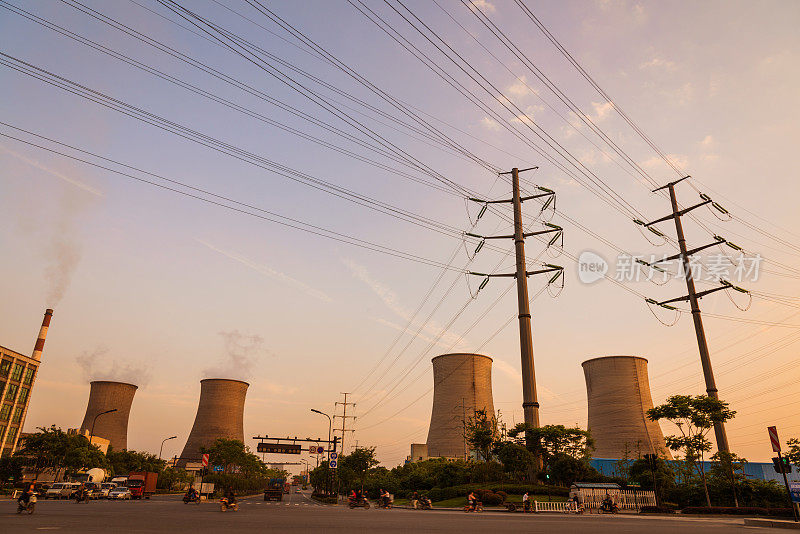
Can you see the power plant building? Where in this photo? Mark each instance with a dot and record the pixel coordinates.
(220, 414)
(462, 385)
(17, 376)
(106, 395)
(618, 391)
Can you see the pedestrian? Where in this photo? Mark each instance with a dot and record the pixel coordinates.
(526, 502)
(414, 500)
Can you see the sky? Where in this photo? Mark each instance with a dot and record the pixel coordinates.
(162, 285)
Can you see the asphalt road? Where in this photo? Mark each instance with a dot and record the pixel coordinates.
(299, 514)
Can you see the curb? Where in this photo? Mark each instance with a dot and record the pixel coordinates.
(772, 523)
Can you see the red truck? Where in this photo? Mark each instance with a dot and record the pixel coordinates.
(142, 484)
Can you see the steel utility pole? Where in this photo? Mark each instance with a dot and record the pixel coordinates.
(694, 298)
(530, 403)
(344, 417)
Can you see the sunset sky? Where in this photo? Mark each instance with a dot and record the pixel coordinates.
(162, 289)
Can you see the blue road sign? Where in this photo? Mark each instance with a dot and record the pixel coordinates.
(333, 464)
(794, 489)
(334, 455)
(218, 468)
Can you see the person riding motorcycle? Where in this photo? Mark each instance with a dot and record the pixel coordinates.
(191, 496)
(608, 504)
(25, 497)
(82, 494)
(425, 502)
(230, 496)
(472, 500)
(385, 498)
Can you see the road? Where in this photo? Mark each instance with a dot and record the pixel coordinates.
(299, 514)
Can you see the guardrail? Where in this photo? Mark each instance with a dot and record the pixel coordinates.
(549, 506)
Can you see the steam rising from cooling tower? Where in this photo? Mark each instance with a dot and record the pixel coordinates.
(220, 414)
(462, 384)
(618, 393)
(104, 396)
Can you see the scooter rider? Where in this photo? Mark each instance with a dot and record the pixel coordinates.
(25, 498)
(472, 500)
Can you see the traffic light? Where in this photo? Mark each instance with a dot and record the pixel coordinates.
(785, 468)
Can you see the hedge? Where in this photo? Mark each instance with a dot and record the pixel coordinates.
(742, 510)
(657, 510)
(442, 494)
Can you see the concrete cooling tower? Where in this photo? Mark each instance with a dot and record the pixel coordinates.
(462, 384)
(220, 414)
(618, 391)
(104, 396)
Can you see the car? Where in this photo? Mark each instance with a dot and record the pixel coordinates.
(94, 490)
(61, 490)
(105, 489)
(120, 492)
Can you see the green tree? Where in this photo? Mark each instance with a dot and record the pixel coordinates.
(124, 461)
(727, 471)
(11, 468)
(517, 461)
(174, 478)
(355, 465)
(658, 476)
(482, 431)
(794, 451)
(694, 416)
(52, 448)
(234, 457)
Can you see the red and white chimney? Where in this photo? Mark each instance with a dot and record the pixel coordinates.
(37, 350)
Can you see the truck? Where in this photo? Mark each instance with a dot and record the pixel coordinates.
(274, 490)
(142, 484)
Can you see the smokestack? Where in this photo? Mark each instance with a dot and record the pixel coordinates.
(462, 384)
(37, 349)
(618, 392)
(220, 414)
(103, 396)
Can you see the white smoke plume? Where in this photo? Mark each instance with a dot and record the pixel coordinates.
(97, 365)
(242, 352)
(63, 257)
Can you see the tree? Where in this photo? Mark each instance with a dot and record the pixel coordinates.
(694, 416)
(794, 451)
(482, 431)
(11, 468)
(356, 464)
(234, 456)
(656, 474)
(52, 448)
(516, 459)
(171, 477)
(124, 461)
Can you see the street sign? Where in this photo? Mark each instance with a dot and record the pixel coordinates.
(773, 437)
(794, 489)
(334, 455)
(204, 461)
(279, 448)
(314, 449)
(333, 464)
(217, 468)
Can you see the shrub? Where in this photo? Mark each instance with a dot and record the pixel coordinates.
(657, 510)
(742, 510)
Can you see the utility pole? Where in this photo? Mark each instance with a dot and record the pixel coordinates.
(693, 298)
(530, 403)
(344, 417)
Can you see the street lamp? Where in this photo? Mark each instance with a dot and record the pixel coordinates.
(91, 434)
(162, 445)
(328, 448)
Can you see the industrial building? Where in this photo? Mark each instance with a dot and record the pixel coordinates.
(17, 376)
(220, 414)
(618, 391)
(104, 396)
(462, 385)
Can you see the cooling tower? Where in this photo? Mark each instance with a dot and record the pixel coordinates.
(618, 393)
(113, 426)
(462, 384)
(220, 414)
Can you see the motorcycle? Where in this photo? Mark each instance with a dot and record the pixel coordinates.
(29, 507)
(225, 505)
(385, 503)
(477, 507)
(82, 496)
(424, 503)
(359, 503)
(609, 508)
(191, 497)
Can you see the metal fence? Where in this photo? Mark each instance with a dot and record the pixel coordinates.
(625, 499)
(547, 506)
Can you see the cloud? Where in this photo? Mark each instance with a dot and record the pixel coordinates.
(242, 352)
(520, 87)
(423, 337)
(601, 110)
(656, 161)
(529, 116)
(659, 63)
(484, 6)
(490, 124)
(97, 365)
(42, 167)
(508, 369)
(271, 273)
